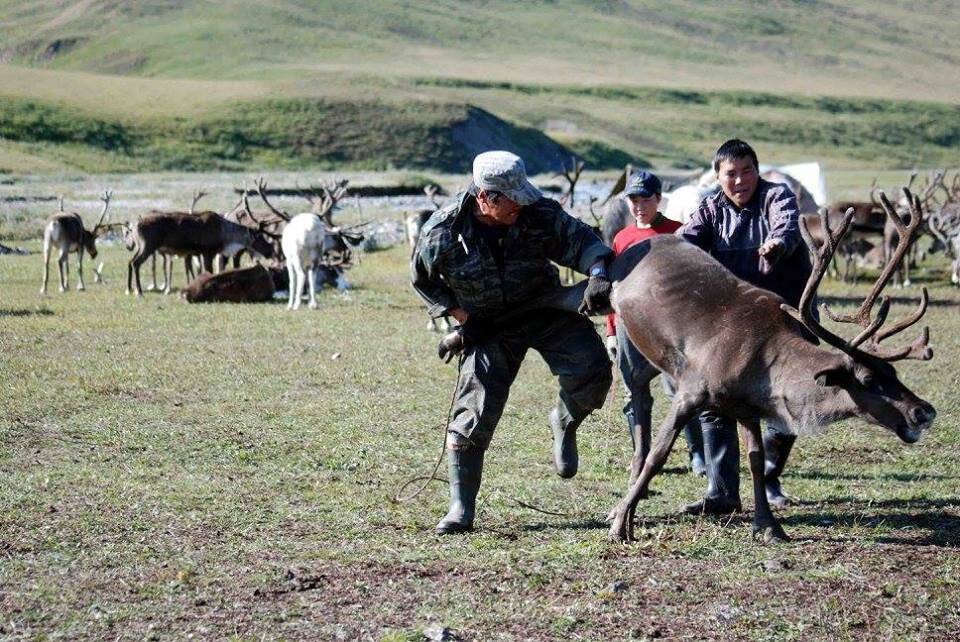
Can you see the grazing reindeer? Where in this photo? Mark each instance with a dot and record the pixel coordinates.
(270, 223)
(852, 251)
(184, 234)
(65, 231)
(682, 309)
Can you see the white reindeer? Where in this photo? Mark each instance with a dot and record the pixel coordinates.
(308, 243)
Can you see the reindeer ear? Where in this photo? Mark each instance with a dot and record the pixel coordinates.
(833, 376)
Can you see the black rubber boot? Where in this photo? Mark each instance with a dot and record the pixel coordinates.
(564, 427)
(465, 466)
(721, 449)
(636, 414)
(694, 438)
(776, 449)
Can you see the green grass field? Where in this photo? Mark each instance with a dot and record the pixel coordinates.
(225, 472)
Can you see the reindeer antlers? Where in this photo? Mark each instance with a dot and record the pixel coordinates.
(107, 195)
(326, 198)
(197, 195)
(262, 190)
(919, 349)
(572, 175)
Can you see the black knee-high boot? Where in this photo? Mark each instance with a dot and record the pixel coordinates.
(721, 449)
(564, 424)
(465, 466)
(776, 448)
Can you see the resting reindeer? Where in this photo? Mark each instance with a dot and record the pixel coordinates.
(683, 311)
(65, 231)
(182, 234)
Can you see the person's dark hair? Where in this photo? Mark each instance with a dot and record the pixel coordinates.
(732, 150)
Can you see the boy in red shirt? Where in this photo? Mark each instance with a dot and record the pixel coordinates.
(643, 193)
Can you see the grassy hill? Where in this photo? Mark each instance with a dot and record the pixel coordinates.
(379, 84)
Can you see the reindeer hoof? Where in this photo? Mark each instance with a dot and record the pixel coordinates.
(612, 515)
(313, 305)
(80, 288)
(773, 534)
(618, 534)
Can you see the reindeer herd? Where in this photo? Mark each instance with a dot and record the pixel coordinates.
(296, 246)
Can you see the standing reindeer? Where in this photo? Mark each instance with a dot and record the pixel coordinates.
(65, 231)
(167, 258)
(311, 243)
(682, 309)
(415, 221)
(270, 223)
(928, 200)
(308, 245)
(184, 234)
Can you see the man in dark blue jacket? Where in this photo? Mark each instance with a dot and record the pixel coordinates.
(752, 227)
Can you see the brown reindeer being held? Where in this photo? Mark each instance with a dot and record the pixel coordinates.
(743, 352)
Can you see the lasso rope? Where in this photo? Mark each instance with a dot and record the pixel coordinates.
(398, 497)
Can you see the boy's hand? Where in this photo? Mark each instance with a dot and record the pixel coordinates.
(772, 250)
(612, 347)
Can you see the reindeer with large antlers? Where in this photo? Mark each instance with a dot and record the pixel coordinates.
(65, 231)
(685, 313)
(308, 244)
(310, 241)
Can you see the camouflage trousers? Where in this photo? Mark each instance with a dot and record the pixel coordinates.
(568, 343)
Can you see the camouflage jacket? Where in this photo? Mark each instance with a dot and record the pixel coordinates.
(452, 266)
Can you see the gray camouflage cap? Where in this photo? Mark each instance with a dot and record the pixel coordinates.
(504, 172)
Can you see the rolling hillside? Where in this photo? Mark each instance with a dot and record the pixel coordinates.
(379, 84)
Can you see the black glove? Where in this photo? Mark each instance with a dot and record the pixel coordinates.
(596, 298)
(462, 339)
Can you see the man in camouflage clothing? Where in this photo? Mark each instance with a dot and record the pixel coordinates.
(477, 260)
